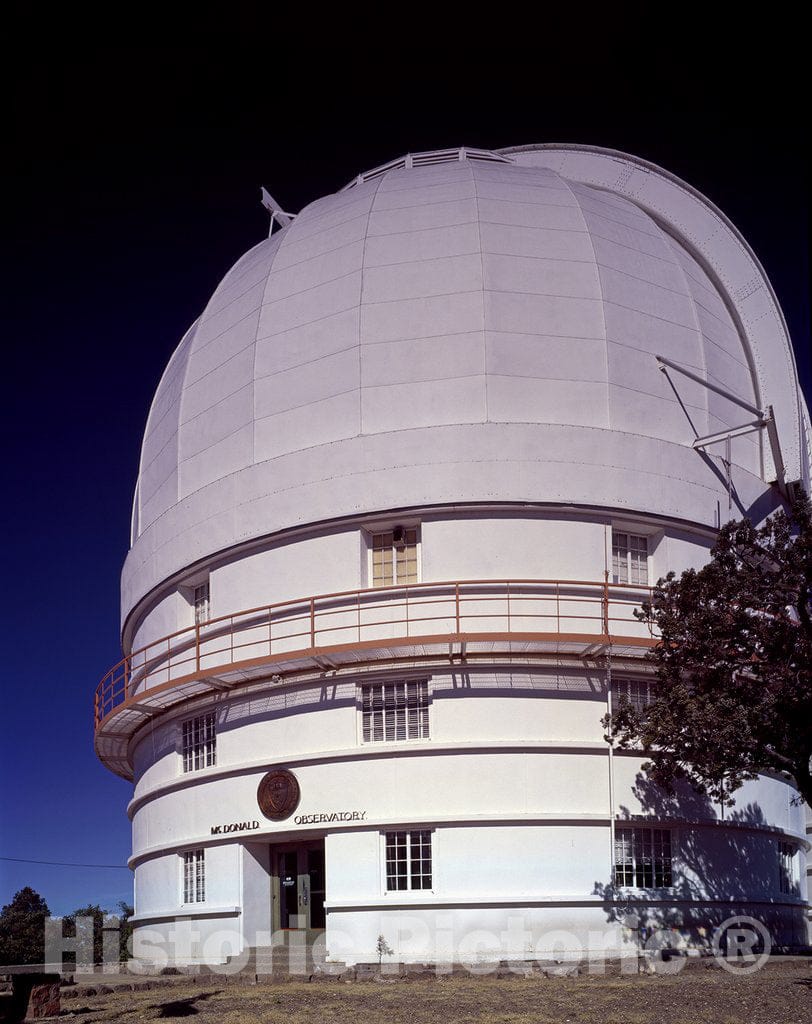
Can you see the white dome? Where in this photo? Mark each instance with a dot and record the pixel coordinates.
(471, 330)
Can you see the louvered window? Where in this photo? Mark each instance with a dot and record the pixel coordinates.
(395, 711)
(787, 874)
(199, 743)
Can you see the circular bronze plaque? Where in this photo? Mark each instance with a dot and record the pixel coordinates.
(278, 794)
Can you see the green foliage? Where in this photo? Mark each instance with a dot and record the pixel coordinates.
(383, 948)
(95, 918)
(734, 667)
(22, 928)
(125, 912)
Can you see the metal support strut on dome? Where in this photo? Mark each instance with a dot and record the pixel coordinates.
(278, 215)
(764, 420)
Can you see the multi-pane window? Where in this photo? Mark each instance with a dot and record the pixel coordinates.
(636, 692)
(395, 711)
(408, 860)
(394, 557)
(202, 610)
(643, 857)
(194, 876)
(787, 878)
(629, 558)
(199, 743)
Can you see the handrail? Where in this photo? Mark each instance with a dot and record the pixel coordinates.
(517, 607)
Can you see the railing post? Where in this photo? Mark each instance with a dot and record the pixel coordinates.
(197, 646)
(606, 608)
(457, 602)
(312, 622)
(508, 605)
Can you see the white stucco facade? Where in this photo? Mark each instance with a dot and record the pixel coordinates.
(452, 364)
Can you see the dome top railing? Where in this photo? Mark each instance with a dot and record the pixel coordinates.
(526, 614)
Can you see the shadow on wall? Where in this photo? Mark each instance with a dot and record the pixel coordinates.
(720, 869)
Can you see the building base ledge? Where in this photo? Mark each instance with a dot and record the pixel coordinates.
(179, 913)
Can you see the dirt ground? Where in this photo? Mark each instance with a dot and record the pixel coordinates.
(778, 994)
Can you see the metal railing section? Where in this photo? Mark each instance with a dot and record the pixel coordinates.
(434, 612)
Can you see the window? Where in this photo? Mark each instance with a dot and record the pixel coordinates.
(643, 857)
(199, 743)
(395, 711)
(394, 557)
(194, 876)
(787, 878)
(629, 558)
(408, 860)
(202, 611)
(636, 692)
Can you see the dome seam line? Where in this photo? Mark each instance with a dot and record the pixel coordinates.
(602, 300)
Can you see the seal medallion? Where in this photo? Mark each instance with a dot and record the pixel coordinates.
(278, 794)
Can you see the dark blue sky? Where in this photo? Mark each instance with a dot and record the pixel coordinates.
(134, 186)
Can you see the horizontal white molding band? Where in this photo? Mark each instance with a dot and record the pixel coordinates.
(639, 898)
(626, 898)
(307, 832)
(373, 752)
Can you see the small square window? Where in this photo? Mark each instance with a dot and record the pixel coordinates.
(643, 858)
(636, 692)
(394, 557)
(199, 743)
(194, 876)
(408, 860)
(629, 558)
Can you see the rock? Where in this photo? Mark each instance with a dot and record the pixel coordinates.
(43, 1000)
(562, 971)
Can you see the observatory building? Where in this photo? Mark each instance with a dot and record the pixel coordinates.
(402, 485)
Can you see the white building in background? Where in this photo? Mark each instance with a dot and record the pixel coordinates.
(402, 485)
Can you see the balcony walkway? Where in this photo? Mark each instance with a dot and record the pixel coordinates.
(420, 622)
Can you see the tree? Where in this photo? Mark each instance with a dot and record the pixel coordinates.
(734, 665)
(125, 911)
(22, 928)
(94, 918)
(91, 920)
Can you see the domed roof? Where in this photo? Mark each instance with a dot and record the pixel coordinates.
(474, 327)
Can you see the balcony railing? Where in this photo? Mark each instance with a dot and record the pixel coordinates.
(574, 612)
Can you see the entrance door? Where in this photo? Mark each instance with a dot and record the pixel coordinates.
(299, 886)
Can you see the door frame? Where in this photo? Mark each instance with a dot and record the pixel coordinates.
(303, 883)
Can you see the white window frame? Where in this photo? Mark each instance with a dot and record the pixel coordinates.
(411, 877)
(788, 880)
(628, 690)
(416, 719)
(198, 742)
(655, 835)
(201, 602)
(193, 876)
(376, 531)
(624, 572)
